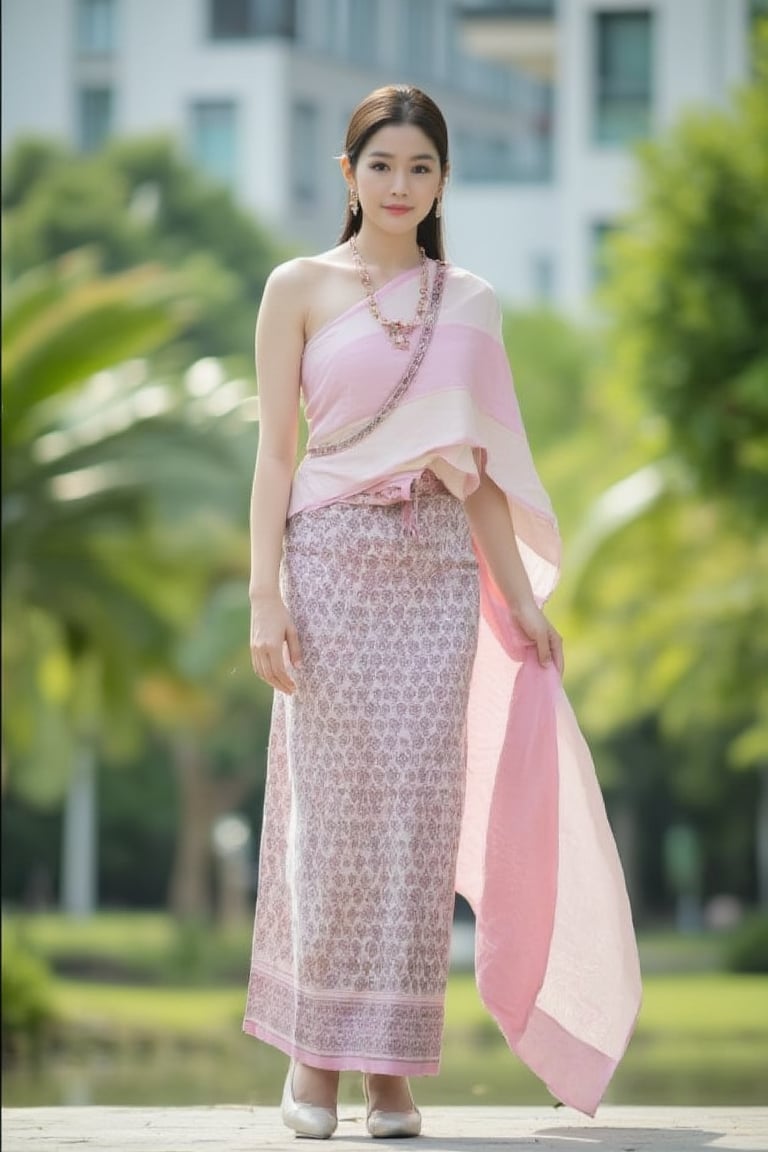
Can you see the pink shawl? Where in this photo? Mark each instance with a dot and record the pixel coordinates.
(556, 961)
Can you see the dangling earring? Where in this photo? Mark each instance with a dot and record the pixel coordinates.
(354, 203)
(438, 207)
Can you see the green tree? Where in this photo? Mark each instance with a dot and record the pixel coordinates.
(73, 490)
(689, 293)
(108, 473)
(213, 716)
(138, 201)
(671, 570)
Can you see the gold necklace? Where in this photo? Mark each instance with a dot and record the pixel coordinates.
(398, 331)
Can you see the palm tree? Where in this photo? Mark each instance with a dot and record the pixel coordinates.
(674, 597)
(94, 459)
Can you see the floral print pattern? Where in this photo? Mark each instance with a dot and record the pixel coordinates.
(365, 786)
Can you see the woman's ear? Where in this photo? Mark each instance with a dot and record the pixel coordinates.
(347, 170)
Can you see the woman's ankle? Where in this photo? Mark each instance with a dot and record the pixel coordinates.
(318, 1086)
(388, 1093)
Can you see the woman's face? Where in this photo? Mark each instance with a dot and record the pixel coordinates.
(397, 177)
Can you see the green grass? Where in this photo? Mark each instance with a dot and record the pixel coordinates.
(113, 934)
(685, 1009)
(122, 1010)
(707, 1005)
(144, 941)
(136, 947)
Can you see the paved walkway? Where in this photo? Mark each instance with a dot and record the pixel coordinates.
(235, 1129)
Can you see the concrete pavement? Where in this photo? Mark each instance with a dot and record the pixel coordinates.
(473, 1129)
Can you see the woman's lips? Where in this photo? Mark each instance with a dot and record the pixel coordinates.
(397, 209)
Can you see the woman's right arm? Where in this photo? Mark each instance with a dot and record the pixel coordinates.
(279, 348)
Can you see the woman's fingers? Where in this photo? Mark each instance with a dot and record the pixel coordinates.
(556, 649)
(549, 644)
(280, 678)
(550, 649)
(294, 648)
(269, 664)
(272, 635)
(543, 647)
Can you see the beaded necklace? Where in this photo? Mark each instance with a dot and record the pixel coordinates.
(398, 331)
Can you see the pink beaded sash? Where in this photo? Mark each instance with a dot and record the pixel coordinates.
(406, 380)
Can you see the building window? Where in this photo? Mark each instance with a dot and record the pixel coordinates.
(94, 117)
(304, 152)
(499, 159)
(483, 159)
(363, 30)
(214, 139)
(623, 76)
(96, 27)
(757, 16)
(602, 230)
(334, 28)
(418, 36)
(248, 19)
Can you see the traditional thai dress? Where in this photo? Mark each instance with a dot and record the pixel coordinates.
(425, 750)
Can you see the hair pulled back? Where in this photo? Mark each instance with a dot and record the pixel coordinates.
(398, 104)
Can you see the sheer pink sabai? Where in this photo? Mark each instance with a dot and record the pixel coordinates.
(556, 959)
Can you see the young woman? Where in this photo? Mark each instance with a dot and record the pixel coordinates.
(421, 741)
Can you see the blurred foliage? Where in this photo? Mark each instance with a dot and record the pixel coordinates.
(74, 495)
(136, 949)
(28, 1010)
(747, 949)
(127, 460)
(138, 201)
(664, 597)
(669, 573)
(96, 454)
(689, 293)
(552, 360)
(685, 596)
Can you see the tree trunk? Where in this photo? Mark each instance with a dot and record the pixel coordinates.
(762, 838)
(79, 847)
(201, 799)
(189, 890)
(624, 824)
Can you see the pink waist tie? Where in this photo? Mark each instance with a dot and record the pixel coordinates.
(407, 492)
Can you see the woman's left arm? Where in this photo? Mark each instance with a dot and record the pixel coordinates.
(488, 514)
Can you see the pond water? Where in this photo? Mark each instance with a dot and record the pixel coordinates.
(475, 1070)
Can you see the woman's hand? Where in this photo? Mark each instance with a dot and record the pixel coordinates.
(547, 639)
(271, 630)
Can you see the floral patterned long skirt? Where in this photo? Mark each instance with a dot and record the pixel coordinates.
(365, 786)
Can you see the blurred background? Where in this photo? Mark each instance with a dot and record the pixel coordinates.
(609, 177)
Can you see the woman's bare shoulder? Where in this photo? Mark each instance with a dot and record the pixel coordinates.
(304, 272)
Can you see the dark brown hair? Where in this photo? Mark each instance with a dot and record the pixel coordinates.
(398, 104)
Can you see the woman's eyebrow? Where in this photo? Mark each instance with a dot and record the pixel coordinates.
(390, 155)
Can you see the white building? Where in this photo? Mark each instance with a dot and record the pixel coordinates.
(543, 101)
(260, 91)
(621, 71)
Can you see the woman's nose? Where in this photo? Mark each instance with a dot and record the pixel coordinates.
(400, 183)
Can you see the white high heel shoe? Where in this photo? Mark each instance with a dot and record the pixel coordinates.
(391, 1124)
(308, 1120)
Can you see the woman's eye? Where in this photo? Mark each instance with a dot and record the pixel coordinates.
(422, 170)
(378, 166)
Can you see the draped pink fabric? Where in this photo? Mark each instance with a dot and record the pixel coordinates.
(556, 958)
